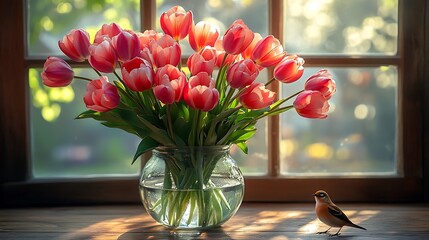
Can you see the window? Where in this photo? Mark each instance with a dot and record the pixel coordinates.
(373, 139)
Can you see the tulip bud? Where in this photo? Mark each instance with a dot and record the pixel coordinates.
(256, 96)
(237, 38)
(242, 74)
(165, 51)
(203, 61)
(107, 30)
(127, 45)
(176, 22)
(268, 52)
(203, 34)
(169, 84)
(56, 72)
(321, 81)
(200, 92)
(311, 104)
(137, 74)
(290, 69)
(75, 45)
(103, 56)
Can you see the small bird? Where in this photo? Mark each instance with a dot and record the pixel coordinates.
(330, 214)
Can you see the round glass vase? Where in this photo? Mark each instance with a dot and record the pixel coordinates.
(191, 187)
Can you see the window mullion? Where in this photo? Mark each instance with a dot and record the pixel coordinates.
(147, 14)
(273, 123)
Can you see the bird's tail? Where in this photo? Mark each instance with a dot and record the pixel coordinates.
(356, 226)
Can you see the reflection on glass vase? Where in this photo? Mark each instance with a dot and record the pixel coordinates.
(191, 187)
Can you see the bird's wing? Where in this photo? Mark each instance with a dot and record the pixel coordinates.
(336, 212)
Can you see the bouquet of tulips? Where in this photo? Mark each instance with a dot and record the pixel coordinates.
(154, 97)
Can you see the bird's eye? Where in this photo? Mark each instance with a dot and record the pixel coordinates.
(321, 195)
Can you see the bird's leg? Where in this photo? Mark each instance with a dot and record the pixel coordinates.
(324, 232)
(336, 234)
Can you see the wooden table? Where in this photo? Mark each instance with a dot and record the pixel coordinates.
(253, 221)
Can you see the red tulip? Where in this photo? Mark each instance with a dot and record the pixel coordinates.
(169, 84)
(101, 96)
(203, 34)
(75, 45)
(311, 104)
(127, 45)
(237, 38)
(290, 69)
(137, 74)
(107, 30)
(56, 72)
(220, 53)
(256, 96)
(242, 73)
(200, 92)
(268, 52)
(176, 22)
(203, 61)
(165, 51)
(321, 81)
(247, 54)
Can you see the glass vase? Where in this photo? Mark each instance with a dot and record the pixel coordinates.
(191, 187)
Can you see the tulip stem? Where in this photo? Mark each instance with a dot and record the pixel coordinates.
(236, 96)
(117, 75)
(218, 79)
(98, 73)
(227, 102)
(269, 82)
(83, 78)
(170, 124)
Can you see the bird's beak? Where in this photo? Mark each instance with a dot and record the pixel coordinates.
(313, 194)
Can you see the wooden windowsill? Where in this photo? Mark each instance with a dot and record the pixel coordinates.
(252, 221)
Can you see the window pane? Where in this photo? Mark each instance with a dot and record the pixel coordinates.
(256, 161)
(341, 27)
(221, 13)
(49, 20)
(359, 136)
(65, 147)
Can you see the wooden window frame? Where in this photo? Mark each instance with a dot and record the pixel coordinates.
(18, 188)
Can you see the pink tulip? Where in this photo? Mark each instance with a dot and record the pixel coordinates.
(176, 22)
(165, 51)
(290, 69)
(256, 96)
(169, 84)
(57, 72)
(101, 96)
(147, 36)
(200, 92)
(237, 38)
(321, 81)
(242, 73)
(107, 31)
(204, 61)
(137, 74)
(268, 52)
(220, 52)
(247, 54)
(203, 34)
(103, 56)
(75, 45)
(311, 104)
(147, 55)
(127, 45)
